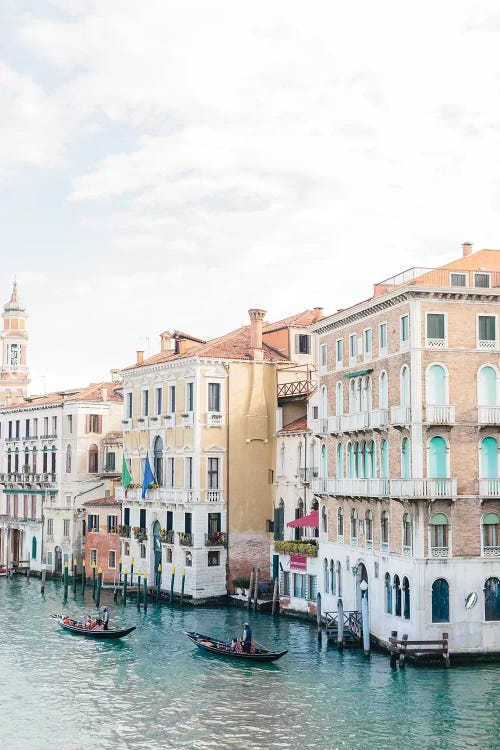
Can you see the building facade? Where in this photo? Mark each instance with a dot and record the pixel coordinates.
(102, 542)
(408, 486)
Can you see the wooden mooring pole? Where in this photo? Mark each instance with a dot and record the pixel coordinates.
(275, 596)
(249, 602)
(256, 594)
(340, 624)
(44, 575)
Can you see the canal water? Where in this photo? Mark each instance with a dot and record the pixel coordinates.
(155, 690)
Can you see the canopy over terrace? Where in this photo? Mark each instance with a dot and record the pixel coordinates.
(310, 521)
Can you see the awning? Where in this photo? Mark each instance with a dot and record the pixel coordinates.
(310, 521)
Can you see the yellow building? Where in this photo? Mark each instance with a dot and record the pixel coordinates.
(204, 414)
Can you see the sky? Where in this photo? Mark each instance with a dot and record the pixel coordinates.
(170, 164)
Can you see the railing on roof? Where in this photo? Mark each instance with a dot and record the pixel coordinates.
(297, 388)
(455, 278)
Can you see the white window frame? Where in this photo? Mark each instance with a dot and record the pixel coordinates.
(428, 341)
(404, 343)
(494, 347)
(189, 384)
(482, 273)
(129, 404)
(353, 355)
(323, 353)
(458, 273)
(158, 407)
(339, 348)
(368, 352)
(111, 552)
(382, 350)
(144, 410)
(172, 399)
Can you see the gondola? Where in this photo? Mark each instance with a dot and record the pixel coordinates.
(213, 646)
(79, 629)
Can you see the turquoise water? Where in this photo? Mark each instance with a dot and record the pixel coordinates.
(155, 690)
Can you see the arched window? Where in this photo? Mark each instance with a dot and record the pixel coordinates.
(383, 395)
(388, 594)
(440, 600)
(299, 458)
(492, 599)
(93, 459)
(384, 529)
(324, 462)
(407, 535)
(332, 577)
(339, 579)
(368, 468)
(489, 458)
(359, 460)
(68, 459)
(339, 400)
(340, 524)
(369, 528)
(326, 577)
(487, 386)
(435, 385)
(491, 535)
(405, 386)
(351, 460)
(352, 397)
(158, 460)
(366, 394)
(405, 459)
(323, 403)
(354, 525)
(324, 520)
(340, 461)
(439, 535)
(357, 395)
(397, 596)
(34, 459)
(406, 598)
(437, 468)
(33, 548)
(384, 459)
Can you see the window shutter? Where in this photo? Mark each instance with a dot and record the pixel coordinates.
(87, 423)
(99, 423)
(297, 343)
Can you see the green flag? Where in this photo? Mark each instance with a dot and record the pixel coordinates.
(126, 478)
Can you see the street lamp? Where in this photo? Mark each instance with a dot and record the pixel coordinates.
(363, 587)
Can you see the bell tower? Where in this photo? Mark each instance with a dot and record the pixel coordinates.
(14, 337)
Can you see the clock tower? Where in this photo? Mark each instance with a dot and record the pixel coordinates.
(14, 337)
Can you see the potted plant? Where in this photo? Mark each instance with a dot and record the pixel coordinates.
(241, 585)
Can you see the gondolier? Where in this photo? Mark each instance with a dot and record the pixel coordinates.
(221, 648)
(105, 617)
(246, 640)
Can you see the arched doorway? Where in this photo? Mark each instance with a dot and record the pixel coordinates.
(15, 545)
(361, 575)
(156, 547)
(58, 560)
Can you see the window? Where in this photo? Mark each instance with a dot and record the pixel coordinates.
(354, 525)
(326, 577)
(340, 524)
(33, 548)
(322, 356)
(142, 551)
(339, 351)
(142, 518)
(406, 598)
(435, 386)
(279, 522)
(383, 396)
(312, 588)
(324, 520)
(388, 594)
(439, 535)
(170, 472)
(285, 583)
(93, 557)
(339, 399)
(158, 460)
(437, 468)
(214, 397)
(213, 473)
(302, 343)
(458, 279)
(112, 559)
(66, 527)
(333, 586)
(435, 330)
(482, 280)
(213, 559)
(440, 600)
(405, 386)
(145, 403)
(492, 599)
(171, 399)
(491, 536)
(93, 459)
(68, 459)
(299, 589)
(369, 527)
(384, 529)
(384, 459)
(382, 337)
(93, 522)
(397, 596)
(487, 387)
(112, 524)
(352, 346)
(93, 423)
(189, 396)
(407, 533)
(158, 400)
(50, 526)
(110, 464)
(340, 461)
(405, 459)
(188, 473)
(486, 331)
(368, 342)
(45, 426)
(405, 329)
(54, 425)
(188, 559)
(129, 406)
(488, 468)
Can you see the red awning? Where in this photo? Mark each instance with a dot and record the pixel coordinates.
(312, 520)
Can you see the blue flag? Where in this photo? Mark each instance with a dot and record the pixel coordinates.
(149, 477)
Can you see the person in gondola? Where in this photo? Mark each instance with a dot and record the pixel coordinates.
(105, 617)
(246, 640)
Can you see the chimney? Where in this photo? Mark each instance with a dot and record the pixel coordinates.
(467, 249)
(256, 318)
(115, 375)
(318, 314)
(165, 341)
(104, 393)
(140, 357)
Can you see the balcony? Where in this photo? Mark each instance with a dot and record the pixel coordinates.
(355, 422)
(440, 552)
(216, 539)
(412, 488)
(307, 475)
(124, 531)
(185, 538)
(400, 415)
(439, 414)
(379, 419)
(169, 420)
(296, 389)
(489, 345)
(167, 537)
(435, 343)
(215, 419)
(213, 496)
(352, 487)
(491, 551)
(49, 436)
(424, 488)
(334, 425)
(407, 550)
(489, 487)
(488, 415)
(320, 426)
(296, 548)
(187, 419)
(12, 439)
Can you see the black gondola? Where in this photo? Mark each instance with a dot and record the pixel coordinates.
(213, 646)
(72, 626)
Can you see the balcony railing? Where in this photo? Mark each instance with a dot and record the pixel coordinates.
(417, 488)
(167, 537)
(320, 426)
(400, 415)
(49, 436)
(16, 477)
(440, 552)
(406, 550)
(352, 487)
(187, 419)
(384, 546)
(487, 344)
(435, 343)
(169, 420)
(355, 422)
(214, 419)
(12, 439)
(334, 425)
(185, 539)
(440, 413)
(488, 414)
(491, 551)
(489, 487)
(307, 475)
(426, 488)
(216, 539)
(379, 418)
(213, 496)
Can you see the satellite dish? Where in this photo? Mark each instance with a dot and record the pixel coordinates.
(470, 600)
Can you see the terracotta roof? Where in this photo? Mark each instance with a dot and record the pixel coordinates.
(303, 319)
(92, 392)
(487, 260)
(103, 502)
(298, 425)
(182, 335)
